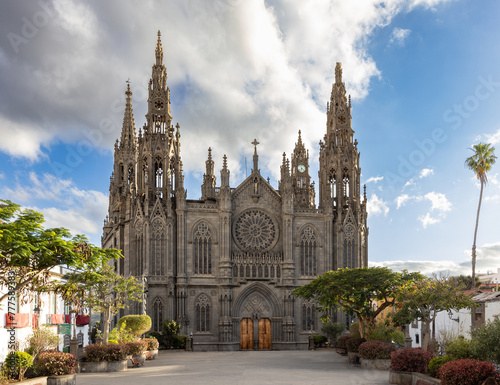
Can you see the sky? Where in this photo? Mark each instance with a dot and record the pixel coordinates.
(424, 77)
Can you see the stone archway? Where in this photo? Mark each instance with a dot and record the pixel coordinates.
(256, 307)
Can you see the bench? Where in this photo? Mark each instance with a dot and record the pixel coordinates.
(136, 362)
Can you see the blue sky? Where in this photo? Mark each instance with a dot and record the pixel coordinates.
(424, 76)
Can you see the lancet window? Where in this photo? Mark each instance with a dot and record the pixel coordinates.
(308, 258)
(157, 266)
(157, 314)
(202, 243)
(308, 316)
(203, 314)
(349, 247)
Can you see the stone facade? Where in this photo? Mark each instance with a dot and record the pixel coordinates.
(225, 265)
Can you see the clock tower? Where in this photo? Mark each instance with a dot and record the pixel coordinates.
(301, 180)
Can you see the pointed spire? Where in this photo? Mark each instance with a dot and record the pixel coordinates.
(255, 156)
(128, 138)
(159, 51)
(338, 73)
(224, 174)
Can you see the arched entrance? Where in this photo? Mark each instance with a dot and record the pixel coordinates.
(258, 308)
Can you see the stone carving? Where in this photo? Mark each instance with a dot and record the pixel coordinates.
(255, 230)
(256, 306)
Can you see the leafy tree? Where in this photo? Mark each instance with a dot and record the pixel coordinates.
(333, 330)
(28, 251)
(466, 281)
(170, 330)
(102, 290)
(480, 163)
(422, 300)
(357, 291)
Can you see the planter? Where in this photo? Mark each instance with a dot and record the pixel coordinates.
(140, 357)
(378, 364)
(353, 357)
(106, 366)
(400, 378)
(422, 379)
(154, 353)
(66, 379)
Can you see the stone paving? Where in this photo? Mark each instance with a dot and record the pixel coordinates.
(241, 368)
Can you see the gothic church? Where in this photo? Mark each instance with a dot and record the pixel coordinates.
(224, 265)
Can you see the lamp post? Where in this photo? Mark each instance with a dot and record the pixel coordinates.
(450, 315)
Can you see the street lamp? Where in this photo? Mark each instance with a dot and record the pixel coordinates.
(450, 315)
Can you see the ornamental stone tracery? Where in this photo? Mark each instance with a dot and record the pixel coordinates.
(255, 230)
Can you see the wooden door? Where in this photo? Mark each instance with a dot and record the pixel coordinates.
(264, 333)
(246, 333)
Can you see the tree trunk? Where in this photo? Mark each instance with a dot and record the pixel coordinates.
(426, 336)
(473, 283)
(107, 322)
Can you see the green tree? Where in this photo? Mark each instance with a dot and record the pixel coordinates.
(102, 290)
(364, 292)
(28, 251)
(135, 324)
(480, 163)
(424, 299)
(486, 341)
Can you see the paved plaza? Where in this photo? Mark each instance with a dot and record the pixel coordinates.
(241, 368)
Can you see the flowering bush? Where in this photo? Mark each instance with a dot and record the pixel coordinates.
(372, 350)
(411, 360)
(137, 347)
(153, 343)
(353, 344)
(436, 363)
(467, 372)
(55, 363)
(109, 352)
(341, 342)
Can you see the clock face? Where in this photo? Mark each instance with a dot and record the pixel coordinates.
(159, 104)
(301, 168)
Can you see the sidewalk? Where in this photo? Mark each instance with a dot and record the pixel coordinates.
(242, 368)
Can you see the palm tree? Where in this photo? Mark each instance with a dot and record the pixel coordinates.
(480, 162)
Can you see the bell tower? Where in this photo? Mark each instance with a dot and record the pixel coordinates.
(301, 179)
(339, 179)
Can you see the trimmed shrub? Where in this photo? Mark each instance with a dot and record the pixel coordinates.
(381, 332)
(341, 342)
(170, 330)
(16, 364)
(372, 350)
(459, 348)
(56, 363)
(153, 343)
(179, 342)
(353, 344)
(135, 324)
(411, 360)
(319, 339)
(333, 330)
(467, 372)
(105, 352)
(137, 347)
(436, 363)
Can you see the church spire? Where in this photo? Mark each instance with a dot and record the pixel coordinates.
(208, 187)
(128, 138)
(159, 51)
(338, 73)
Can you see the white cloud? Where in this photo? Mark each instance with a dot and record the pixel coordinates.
(377, 206)
(399, 36)
(248, 69)
(428, 220)
(426, 172)
(439, 202)
(374, 179)
(493, 138)
(81, 211)
(401, 200)
(488, 257)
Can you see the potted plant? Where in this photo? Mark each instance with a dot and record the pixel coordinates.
(59, 367)
(352, 345)
(376, 354)
(105, 358)
(137, 349)
(404, 362)
(153, 346)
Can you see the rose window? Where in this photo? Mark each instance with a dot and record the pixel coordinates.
(255, 230)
